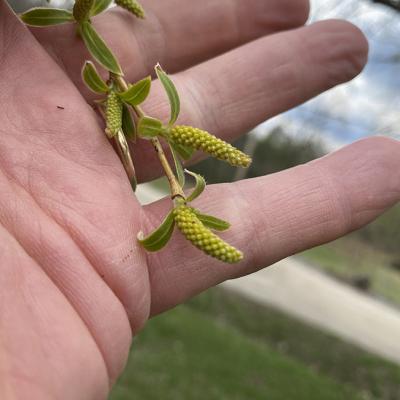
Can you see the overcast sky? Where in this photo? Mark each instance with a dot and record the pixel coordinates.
(370, 104)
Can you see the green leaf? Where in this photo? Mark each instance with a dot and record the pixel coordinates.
(92, 78)
(98, 49)
(99, 6)
(184, 151)
(128, 125)
(137, 93)
(149, 127)
(178, 166)
(199, 188)
(42, 16)
(212, 222)
(171, 92)
(160, 237)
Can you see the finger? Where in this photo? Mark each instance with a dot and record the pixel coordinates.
(57, 171)
(236, 91)
(176, 33)
(279, 215)
(45, 347)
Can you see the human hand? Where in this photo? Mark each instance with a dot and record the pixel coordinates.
(74, 283)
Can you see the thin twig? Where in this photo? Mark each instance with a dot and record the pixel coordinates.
(176, 189)
(123, 151)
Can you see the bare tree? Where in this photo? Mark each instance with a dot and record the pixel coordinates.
(395, 4)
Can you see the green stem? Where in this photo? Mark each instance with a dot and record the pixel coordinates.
(176, 189)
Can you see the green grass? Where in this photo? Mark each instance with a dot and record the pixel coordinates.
(322, 352)
(349, 257)
(221, 346)
(187, 355)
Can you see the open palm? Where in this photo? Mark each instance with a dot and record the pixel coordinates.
(74, 284)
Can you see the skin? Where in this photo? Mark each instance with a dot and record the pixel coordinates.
(74, 284)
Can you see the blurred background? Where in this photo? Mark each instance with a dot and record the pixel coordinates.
(324, 324)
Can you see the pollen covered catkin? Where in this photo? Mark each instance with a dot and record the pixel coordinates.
(132, 6)
(201, 237)
(202, 140)
(81, 9)
(113, 114)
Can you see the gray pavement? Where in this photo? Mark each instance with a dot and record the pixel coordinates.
(314, 297)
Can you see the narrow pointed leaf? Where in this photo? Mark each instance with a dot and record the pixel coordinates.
(199, 188)
(42, 16)
(99, 6)
(149, 127)
(92, 78)
(137, 93)
(133, 183)
(160, 237)
(128, 125)
(178, 166)
(184, 152)
(171, 92)
(98, 49)
(212, 222)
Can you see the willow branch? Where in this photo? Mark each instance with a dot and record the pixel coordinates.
(176, 189)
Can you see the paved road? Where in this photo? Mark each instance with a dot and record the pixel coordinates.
(305, 293)
(147, 194)
(299, 290)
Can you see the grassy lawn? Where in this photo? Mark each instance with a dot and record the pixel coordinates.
(221, 346)
(349, 258)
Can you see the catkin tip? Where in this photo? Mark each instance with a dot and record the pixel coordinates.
(82, 9)
(133, 6)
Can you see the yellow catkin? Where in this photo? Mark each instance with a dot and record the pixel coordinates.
(202, 140)
(81, 9)
(201, 237)
(113, 114)
(132, 6)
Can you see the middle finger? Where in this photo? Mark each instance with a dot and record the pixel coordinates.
(176, 33)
